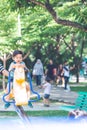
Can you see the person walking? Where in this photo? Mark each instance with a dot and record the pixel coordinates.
(60, 75)
(51, 70)
(38, 72)
(66, 70)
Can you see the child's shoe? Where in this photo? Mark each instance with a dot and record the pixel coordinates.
(46, 105)
(7, 105)
(30, 104)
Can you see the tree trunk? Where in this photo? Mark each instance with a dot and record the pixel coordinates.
(77, 77)
(77, 72)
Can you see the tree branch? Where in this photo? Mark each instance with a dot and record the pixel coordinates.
(64, 22)
(1, 58)
(50, 9)
(37, 3)
(26, 55)
(8, 57)
(67, 44)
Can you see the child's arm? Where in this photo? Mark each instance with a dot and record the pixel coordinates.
(43, 85)
(19, 65)
(13, 66)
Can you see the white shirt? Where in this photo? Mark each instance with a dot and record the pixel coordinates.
(47, 88)
(66, 70)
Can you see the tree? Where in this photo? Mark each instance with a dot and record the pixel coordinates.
(48, 28)
(48, 6)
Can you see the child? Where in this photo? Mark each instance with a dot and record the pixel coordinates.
(47, 89)
(17, 62)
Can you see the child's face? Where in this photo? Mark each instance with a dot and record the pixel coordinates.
(18, 58)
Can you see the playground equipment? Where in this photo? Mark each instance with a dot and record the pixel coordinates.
(19, 87)
(19, 92)
(80, 103)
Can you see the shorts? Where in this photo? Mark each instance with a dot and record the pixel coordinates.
(46, 96)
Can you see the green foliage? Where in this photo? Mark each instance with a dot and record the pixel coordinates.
(39, 32)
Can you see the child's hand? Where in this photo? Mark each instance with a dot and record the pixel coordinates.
(13, 66)
(19, 65)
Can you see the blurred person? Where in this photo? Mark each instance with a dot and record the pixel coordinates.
(60, 75)
(51, 70)
(47, 88)
(38, 72)
(66, 70)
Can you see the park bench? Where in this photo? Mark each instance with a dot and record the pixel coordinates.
(80, 103)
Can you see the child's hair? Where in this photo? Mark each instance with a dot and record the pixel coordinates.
(16, 52)
(47, 79)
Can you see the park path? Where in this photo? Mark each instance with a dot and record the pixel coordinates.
(58, 94)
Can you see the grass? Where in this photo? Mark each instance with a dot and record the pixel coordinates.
(81, 83)
(47, 113)
(79, 88)
(37, 113)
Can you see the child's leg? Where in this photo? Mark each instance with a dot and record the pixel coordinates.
(46, 100)
(66, 80)
(58, 79)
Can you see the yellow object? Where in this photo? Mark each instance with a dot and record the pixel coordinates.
(11, 94)
(20, 81)
(19, 87)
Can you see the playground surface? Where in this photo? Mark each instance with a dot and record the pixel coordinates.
(58, 96)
